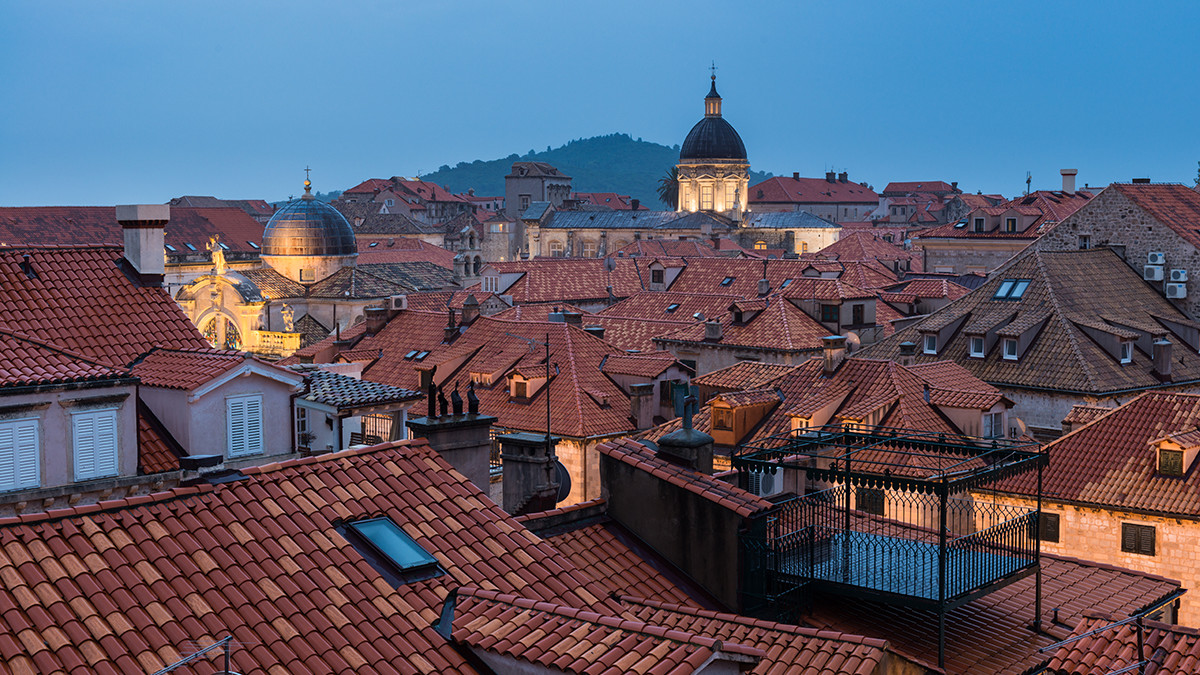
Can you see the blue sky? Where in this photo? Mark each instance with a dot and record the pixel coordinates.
(122, 102)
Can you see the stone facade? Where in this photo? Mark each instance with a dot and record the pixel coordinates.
(1094, 533)
(967, 256)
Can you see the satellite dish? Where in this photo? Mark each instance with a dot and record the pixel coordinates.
(853, 342)
(564, 480)
(1018, 427)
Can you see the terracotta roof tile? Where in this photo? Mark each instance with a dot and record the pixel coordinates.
(670, 306)
(641, 365)
(402, 249)
(112, 320)
(261, 559)
(572, 279)
(157, 450)
(185, 368)
(744, 375)
(1169, 649)
(635, 454)
(782, 189)
(77, 225)
(1049, 208)
(30, 362)
(339, 391)
(780, 326)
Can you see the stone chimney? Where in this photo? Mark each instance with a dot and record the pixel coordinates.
(598, 331)
(143, 226)
(830, 177)
(834, 353)
(908, 353)
(688, 447)
(795, 175)
(635, 204)
(573, 318)
(1068, 176)
(843, 176)
(451, 329)
(470, 310)
(712, 331)
(764, 287)
(1162, 353)
(530, 473)
(376, 319)
(463, 439)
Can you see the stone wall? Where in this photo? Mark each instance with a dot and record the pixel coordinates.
(964, 256)
(1111, 219)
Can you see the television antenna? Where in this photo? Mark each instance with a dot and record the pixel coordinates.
(222, 644)
(1028, 182)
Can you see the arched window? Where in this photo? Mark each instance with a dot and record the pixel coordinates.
(477, 265)
(760, 245)
(804, 247)
(229, 338)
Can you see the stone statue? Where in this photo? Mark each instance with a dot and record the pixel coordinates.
(289, 316)
(218, 255)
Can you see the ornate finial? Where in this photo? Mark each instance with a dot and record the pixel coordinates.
(472, 399)
(307, 185)
(456, 401)
(442, 403)
(713, 68)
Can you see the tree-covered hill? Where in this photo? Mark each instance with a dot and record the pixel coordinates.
(612, 163)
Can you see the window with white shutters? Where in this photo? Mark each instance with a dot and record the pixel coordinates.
(20, 455)
(94, 439)
(244, 425)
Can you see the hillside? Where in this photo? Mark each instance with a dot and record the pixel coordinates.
(612, 163)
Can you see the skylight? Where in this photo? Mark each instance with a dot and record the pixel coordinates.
(373, 244)
(390, 541)
(422, 355)
(253, 245)
(1011, 289)
(672, 307)
(408, 356)
(785, 284)
(726, 281)
(190, 247)
(170, 248)
(223, 245)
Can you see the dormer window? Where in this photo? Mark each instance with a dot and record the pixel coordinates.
(1170, 462)
(930, 344)
(656, 276)
(1010, 224)
(976, 346)
(979, 224)
(520, 389)
(722, 419)
(1010, 349)
(1126, 351)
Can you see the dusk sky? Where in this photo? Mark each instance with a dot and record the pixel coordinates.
(139, 102)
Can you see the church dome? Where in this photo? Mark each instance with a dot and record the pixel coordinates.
(713, 137)
(308, 227)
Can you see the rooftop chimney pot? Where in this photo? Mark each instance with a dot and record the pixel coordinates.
(834, 353)
(143, 227)
(1068, 179)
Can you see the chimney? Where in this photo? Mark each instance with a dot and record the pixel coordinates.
(451, 330)
(954, 187)
(470, 310)
(712, 331)
(764, 287)
(795, 175)
(144, 228)
(531, 481)
(598, 331)
(635, 204)
(843, 176)
(688, 447)
(573, 319)
(1162, 352)
(830, 177)
(908, 353)
(376, 319)
(1068, 176)
(835, 353)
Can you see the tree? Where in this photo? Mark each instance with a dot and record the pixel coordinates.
(668, 188)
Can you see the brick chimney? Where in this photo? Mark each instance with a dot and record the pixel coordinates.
(908, 353)
(1068, 177)
(143, 226)
(834, 353)
(795, 175)
(830, 177)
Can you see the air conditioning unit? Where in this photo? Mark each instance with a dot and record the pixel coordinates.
(398, 302)
(1177, 291)
(1156, 258)
(1179, 275)
(765, 483)
(1152, 273)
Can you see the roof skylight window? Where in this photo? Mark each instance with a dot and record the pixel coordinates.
(373, 244)
(1011, 289)
(252, 245)
(189, 246)
(726, 281)
(785, 284)
(388, 549)
(408, 356)
(422, 355)
(170, 248)
(672, 307)
(223, 245)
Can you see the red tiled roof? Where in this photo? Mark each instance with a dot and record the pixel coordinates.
(705, 276)
(30, 362)
(1169, 649)
(185, 368)
(657, 306)
(609, 199)
(932, 288)
(1085, 414)
(157, 450)
(781, 326)
(129, 586)
(572, 640)
(1176, 206)
(631, 332)
(686, 248)
(635, 454)
(540, 312)
(861, 246)
(744, 375)
(781, 189)
(440, 301)
(904, 187)
(1049, 207)
(789, 650)
(77, 225)
(991, 634)
(1111, 461)
(737, 399)
(648, 365)
(402, 249)
(572, 279)
(370, 186)
(80, 300)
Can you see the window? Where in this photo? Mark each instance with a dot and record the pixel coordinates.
(172, 248)
(760, 245)
(722, 419)
(993, 425)
(666, 391)
(979, 224)
(388, 549)
(1010, 224)
(706, 197)
(690, 364)
(244, 425)
(930, 344)
(729, 195)
(1011, 289)
(976, 342)
(1170, 462)
(1137, 539)
(672, 307)
(589, 249)
(1010, 349)
(307, 275)
(804, 247)
(726, 281)
(20, 455)
(656, 276)
(829, 313)
(302, 427)
(1085, 242)
(785, 284)
(1047, 527)
(556, 249)
(520, 388)
(870, 500)
(389, 202)
(524, 201)
(94, 442)
(189, 246)
(857, 315)
(1126, 351)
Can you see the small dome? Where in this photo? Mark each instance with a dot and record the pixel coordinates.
(308, 227)
(713, 138)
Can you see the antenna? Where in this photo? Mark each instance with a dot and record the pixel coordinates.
(532, 342)
(1028, 182)
(223, 644)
